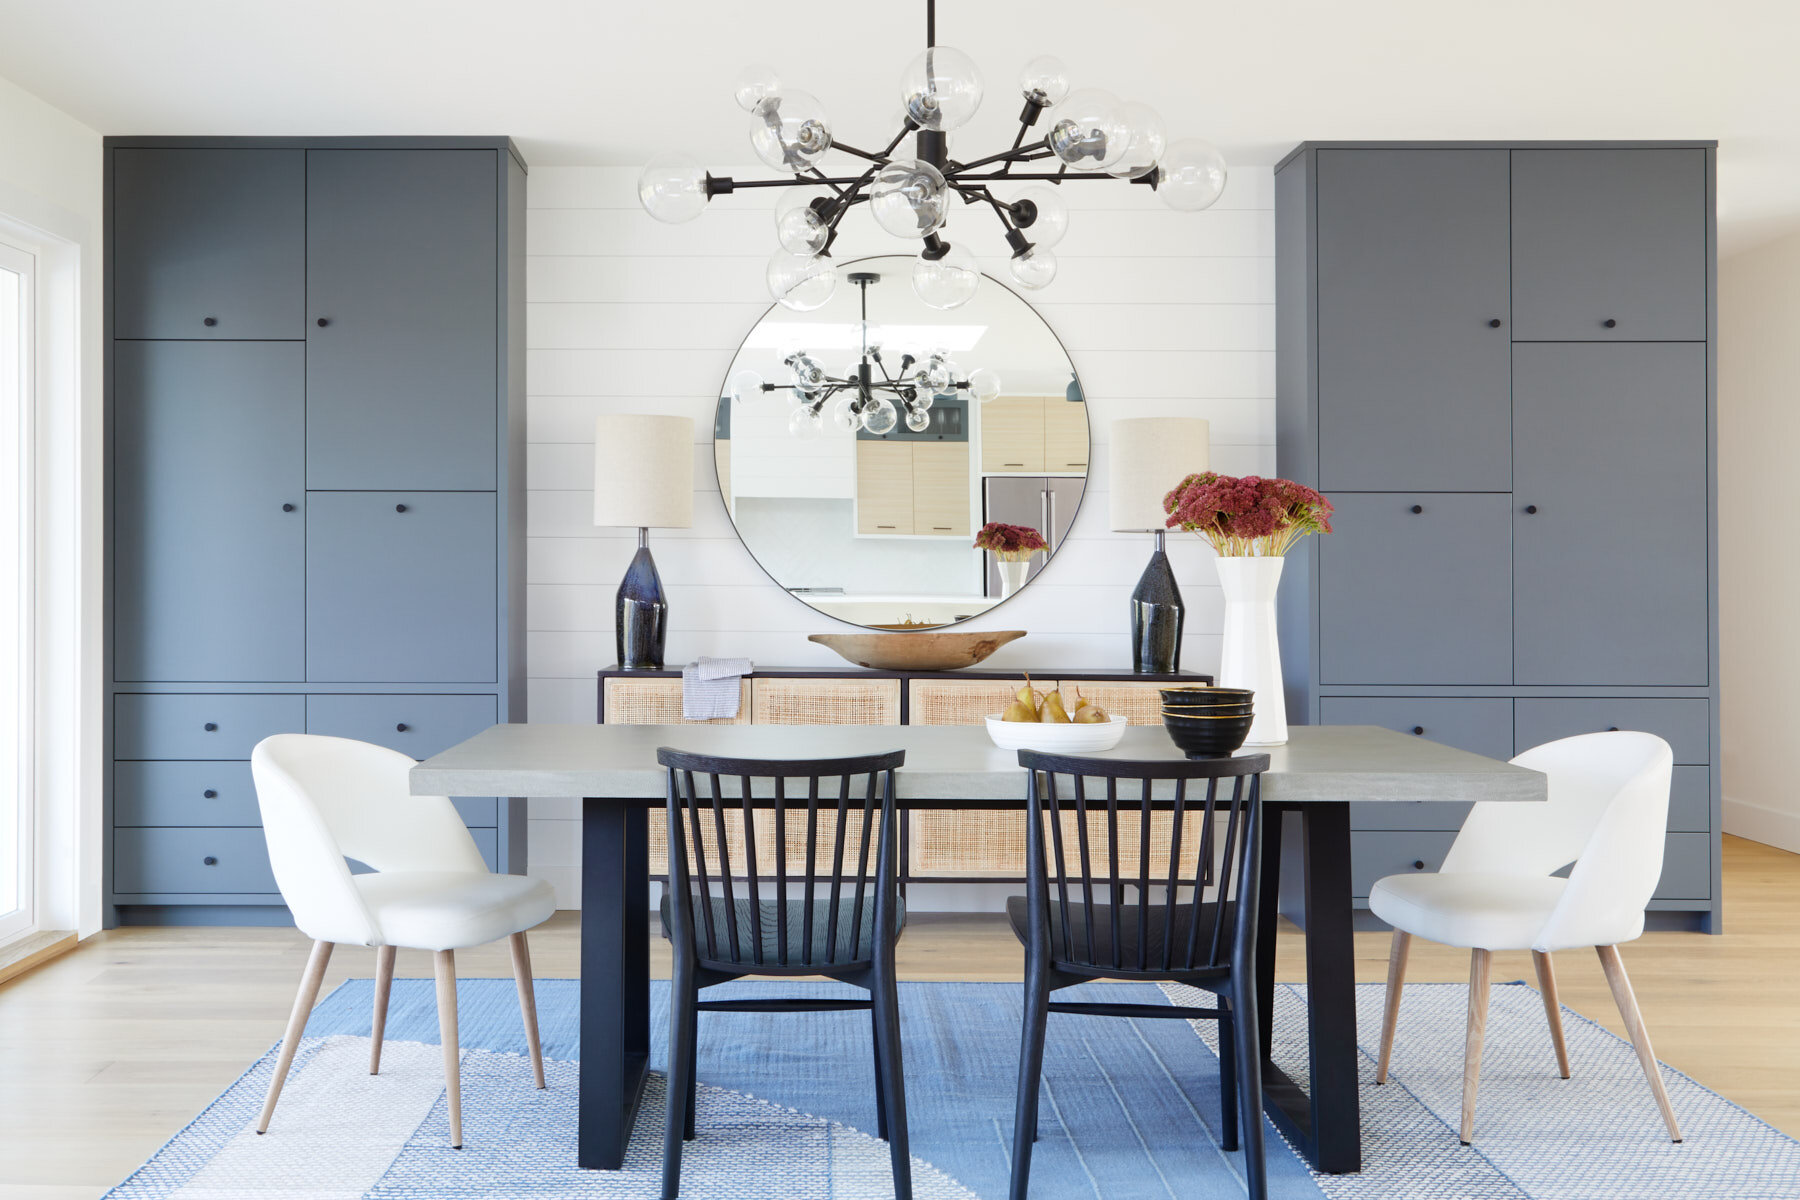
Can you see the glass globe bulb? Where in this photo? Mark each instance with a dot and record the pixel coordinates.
(1033, 269)
(672, 188)
(1149, 139)
(790, 131)
(947, 282)
(908, 198)
(809, 373)
(937, 375)
(880, 418)
(1052, 219)
(843, 419)
(800, 281)
(1045, 79)
(1190, 175)
(1088, 130)
(941, 88)
(922, 398)
(754, 84)
(798, 226)
(918, 420)
(803, 421)
(746, 385)
(985, 384)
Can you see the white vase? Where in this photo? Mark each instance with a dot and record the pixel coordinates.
(1012, 575)
(1251, 655)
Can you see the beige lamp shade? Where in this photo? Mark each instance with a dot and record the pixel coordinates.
(1149, 456)
(644, 471)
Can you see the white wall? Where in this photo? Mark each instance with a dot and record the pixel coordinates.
(50, 197)
(1163, 313)
(1759, 569)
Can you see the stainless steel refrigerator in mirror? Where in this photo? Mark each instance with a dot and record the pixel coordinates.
(1046, 503)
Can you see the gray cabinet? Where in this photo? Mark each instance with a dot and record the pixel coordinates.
(1420, 589)
(179, 725)
(1612, 522)
(1610, 244)
(419, 726)
(208, 530)
(400, 587)
(208, 244)
(401, 292)
(1414, 343)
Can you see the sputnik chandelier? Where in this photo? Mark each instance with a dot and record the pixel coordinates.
(1089, 134)
(865, 401)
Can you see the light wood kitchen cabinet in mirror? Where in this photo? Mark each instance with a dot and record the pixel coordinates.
(1012, 434)
(1065, 436)
(884, 487)
(941, 488)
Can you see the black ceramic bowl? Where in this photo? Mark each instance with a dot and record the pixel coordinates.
(1205, 695)
(1224, 709)
(1208, 737)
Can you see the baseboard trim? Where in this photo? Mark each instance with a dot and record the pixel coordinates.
(1758, 823)
(34, 950)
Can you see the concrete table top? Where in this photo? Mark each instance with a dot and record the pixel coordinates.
(1319, 764)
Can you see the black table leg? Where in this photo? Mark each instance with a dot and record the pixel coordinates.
(615, 978)
(1327, 1122)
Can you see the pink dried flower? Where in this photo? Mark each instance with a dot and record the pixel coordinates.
(1010, 543)
(1247, 515)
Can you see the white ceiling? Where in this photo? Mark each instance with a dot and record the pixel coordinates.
(609, 83)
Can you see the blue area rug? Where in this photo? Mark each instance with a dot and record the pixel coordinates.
(786, 1109)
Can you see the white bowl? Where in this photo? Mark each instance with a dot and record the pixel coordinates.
(1056, 738)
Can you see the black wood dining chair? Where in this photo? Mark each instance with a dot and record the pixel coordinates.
(1091, 912)
(834, 914)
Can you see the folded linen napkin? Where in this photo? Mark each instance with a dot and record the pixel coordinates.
(710, 689)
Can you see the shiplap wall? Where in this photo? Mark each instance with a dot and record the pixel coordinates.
(1163, 313)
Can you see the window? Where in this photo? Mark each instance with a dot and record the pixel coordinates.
(17, 845)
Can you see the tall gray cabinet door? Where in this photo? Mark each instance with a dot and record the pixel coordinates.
(401, 587)
(1416, 588)
(1611, 517)
(1414, 350)
(209, 532)
(402, 271)
(209, 244)
(1609, 245)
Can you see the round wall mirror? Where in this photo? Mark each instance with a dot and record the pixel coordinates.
(862, 446)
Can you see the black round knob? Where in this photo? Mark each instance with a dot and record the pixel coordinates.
(1610, 323)
(210, 322)
(1532, 509)
(1419, 730)
(322, 322)
(1494, 324)
(211, 727)
(1418, 508)
(210, 861)
(1418, 864)
(400, 728)
(399, 508)
(210, 794)
(1612, 729)
(287, 508)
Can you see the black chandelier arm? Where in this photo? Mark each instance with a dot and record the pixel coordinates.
(1017, 153)
(879, 159)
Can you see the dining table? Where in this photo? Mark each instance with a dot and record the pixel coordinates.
(1306, 795)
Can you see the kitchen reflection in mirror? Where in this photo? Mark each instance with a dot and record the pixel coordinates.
(861, 446)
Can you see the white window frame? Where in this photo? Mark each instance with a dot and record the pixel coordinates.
(23, 920)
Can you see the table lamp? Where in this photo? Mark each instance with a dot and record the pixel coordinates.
(643, 479)
(1149, 456)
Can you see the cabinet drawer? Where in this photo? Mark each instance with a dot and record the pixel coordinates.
(960, 701)
(200, 725)
(1684, 724)
(1690, 800)
(825, 701)
(417, 725)
(176, 860)
(658, 702)
(184, 793)
(1687, 867)
(1480, 726)
(1374, 855)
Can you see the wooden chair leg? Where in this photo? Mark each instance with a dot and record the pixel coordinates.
(1031, 1073)
(693, 1077)
(893, 1076)
(384, 983)
(446, 1006)
(1626, 999)
(1246, 1026)
(1228, 1117)
(1390, 1013)
(880, 1084)
(1546, 975)
(521, 963)
(1480, 966)
(310, 979)
(677, 1124)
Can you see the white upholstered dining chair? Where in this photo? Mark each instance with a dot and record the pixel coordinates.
(326, 800)
(1606, 812)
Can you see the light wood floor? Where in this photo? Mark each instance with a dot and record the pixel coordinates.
(110, 1050)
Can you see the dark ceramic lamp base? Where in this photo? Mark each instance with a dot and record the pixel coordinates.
(641, 613)
(1156, 617)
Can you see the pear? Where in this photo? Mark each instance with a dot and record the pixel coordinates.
(1027, 694)
(1091, 714)
(1019, 710)
(1053, 712)
(1081, 702)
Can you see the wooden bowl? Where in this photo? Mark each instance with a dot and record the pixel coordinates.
(917, 651)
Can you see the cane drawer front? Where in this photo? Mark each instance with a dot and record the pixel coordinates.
(960, 701)
(1138, 703)
(825, 701)
(658, 702)
(963, 844)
